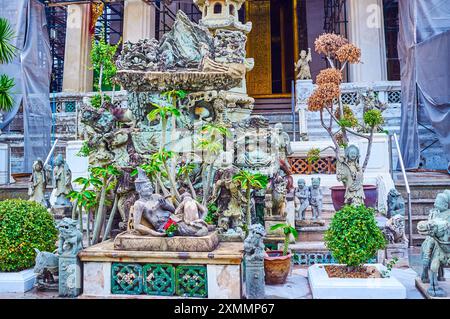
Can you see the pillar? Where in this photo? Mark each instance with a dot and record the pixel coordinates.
(77, 74)
(138, 20)
(366, 30)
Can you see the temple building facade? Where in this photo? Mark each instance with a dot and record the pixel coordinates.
(278, 32)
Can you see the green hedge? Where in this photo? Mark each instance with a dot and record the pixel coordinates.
(24, 225)
(353, 236)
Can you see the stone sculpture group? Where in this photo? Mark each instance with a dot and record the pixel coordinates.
(308, 196)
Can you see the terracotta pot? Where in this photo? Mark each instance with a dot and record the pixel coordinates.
(276, 267)
(338, 192)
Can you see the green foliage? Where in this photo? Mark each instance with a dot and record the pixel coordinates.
(102, 59)
(162, 111)
(212, 216)
(6, 100)
(7, 50)
(85, 150)
(353, 236)
(288, 230)
(373, 118)
(313, 155)
(24, 226)
(248, 180)
(96, 100)
(349, 119)
(387, 273)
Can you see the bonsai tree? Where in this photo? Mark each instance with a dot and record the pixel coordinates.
(326, 99)
(249, 181)
(7, 54)
(288, 230)
(24, 226)
(353, 236)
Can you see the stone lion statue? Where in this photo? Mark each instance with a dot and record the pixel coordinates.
(395, 230)
(70, 238)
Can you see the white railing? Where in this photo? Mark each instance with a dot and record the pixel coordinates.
(408, 190)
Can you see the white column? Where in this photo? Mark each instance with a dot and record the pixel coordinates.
(366, 30)
(77, 75)
(138, 20)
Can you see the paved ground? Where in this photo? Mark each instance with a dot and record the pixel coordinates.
(296, 287)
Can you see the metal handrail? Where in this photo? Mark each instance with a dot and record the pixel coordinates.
(408, 190)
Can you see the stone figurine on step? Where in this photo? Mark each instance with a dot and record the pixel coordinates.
(301, 199)
(315, 198)
(254, 262)
(62, 180)
(38, 183)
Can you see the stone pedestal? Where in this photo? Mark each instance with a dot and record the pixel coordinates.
(397, 250)
(215, 275)
(78, 164)
(138, 20)
(59, 212)
(133, 242)
(366, 30)
(423, 288)
(77, 76)
(303, 90)
(69, 276)
(254, 279)
(270, 221)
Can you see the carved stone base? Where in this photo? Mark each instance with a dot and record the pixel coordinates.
(254, 278)
(270, 221)
(70, 276)
(400, 251)
(59, 212)
(309, 222)
(232, 237)
(132, 242)
(423, 288)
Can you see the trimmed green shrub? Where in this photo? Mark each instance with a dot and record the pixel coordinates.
(353, 236)
(24, 225)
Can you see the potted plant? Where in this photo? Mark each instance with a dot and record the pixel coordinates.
(25, 227)
(353, 239)
(340, 122)
(277, 263)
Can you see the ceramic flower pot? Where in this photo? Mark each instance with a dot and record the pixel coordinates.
(338, 192)
(276, 267)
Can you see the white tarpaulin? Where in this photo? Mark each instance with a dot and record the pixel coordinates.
(424, 51)
(31, 71)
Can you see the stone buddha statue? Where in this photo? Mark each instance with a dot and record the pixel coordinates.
(151, 211)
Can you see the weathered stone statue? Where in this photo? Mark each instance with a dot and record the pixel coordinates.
(229, 200)
(315, 198)
(46, 270)
(278, 188)
(349, 172)
(395, 230)
(254, 262)
(370, 101)
(436, 247)
(301, 199)
(268, 205)
(302, 65)
(62, 177)
(395, 203)
(151, 211)
(70, 244)
(190, 217)
(38, 183)
(283, 141)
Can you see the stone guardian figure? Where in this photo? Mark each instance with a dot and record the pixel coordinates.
(301, 199)
(38, 183)
(62, 179)
(349, 172)
(254, 262)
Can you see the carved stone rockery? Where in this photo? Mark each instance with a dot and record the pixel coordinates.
(436, 247)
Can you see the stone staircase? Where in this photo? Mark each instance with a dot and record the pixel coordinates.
(424, 188)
